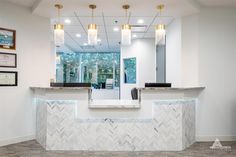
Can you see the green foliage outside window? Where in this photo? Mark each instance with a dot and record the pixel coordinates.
(94, 68)
(130, 70)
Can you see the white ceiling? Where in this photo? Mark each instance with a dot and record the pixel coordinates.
(218, 3)
(109, 11)
(26, 3)
(109, 39)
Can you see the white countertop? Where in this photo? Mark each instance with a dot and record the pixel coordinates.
(148, 88)
(114, 104)
(61, 88)
(172, 88)
(85, 94)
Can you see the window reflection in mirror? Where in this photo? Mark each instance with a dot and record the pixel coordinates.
(129, 70)
(96, 68)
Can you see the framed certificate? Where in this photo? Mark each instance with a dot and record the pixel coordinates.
(8, 60)
(7, 39)
(8, 78)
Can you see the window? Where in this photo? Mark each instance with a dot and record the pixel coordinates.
(93, 68)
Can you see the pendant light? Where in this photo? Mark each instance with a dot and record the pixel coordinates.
(126, 30)
(58, 28)
(160, 29)
(92, 29)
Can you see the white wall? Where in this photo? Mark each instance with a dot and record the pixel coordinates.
(207, 55)
(145, 52)
(190, 49)
(217, 70)
(182, 52)
(17, 116)
(173, 53)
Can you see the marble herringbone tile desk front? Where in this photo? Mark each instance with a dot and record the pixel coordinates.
(170, 126)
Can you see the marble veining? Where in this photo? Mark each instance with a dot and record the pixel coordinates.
(172, 128)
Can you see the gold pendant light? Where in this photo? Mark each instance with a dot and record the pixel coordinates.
(58, 28)
(126, 30)
(160, 29)
(92, 29)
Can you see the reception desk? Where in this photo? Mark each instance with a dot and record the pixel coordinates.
(163, 119)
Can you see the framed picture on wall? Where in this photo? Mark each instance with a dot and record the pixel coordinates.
(8, 78)
(129, 70)
(8, 60)
(7, 39)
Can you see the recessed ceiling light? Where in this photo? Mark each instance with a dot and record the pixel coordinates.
(78, 35)
(134, 36)
(85, 44)
(116, 29)
(140, 21)
(99, 40)
(67, 21)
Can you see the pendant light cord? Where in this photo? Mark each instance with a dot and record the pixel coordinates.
(160, 15)
(92, 7)
(92, 15)
(126, 7)
(126, 15)
(58, 14)
(160, 7)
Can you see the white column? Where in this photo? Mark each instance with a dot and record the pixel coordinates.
(53, 62)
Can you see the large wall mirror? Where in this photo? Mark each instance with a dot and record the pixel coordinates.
(101, 69)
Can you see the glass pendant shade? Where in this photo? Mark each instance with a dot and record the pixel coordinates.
(160, 34)
(58, 34)
(126, 34)
(92, 34)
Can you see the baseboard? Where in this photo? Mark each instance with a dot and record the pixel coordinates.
(212, 138)
(4, 142)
